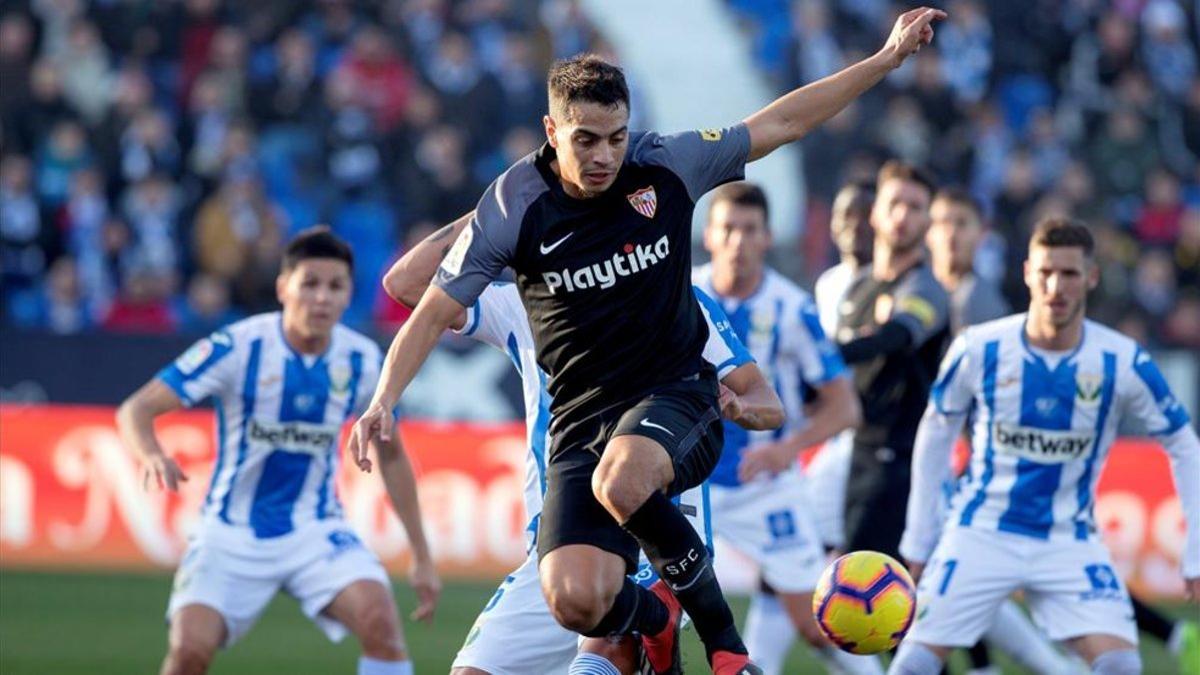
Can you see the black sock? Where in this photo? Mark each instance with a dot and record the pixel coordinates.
(634, 609)
(1151, 621)
(979, 656)
(681, 559)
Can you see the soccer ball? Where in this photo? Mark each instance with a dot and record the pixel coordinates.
(865, 602)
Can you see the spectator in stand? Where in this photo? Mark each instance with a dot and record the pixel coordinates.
(207, 305)
(377, 79)
(142, 305)
(16, 58)
(87, 71)
(27, 237)
(152, 207)
(1158, 221)
(64, 152)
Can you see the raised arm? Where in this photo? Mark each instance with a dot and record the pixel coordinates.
(794, 114)
(408, 278)
(135, 424)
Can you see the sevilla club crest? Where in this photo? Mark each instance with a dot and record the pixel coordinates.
(644, 201)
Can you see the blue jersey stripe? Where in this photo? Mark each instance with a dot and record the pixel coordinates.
(356, 369)
(831, 359)
(1171, 409)
(729, 336)
(1083, 516)
(249, 390)
(1047, 402)
(938, 393)
(473, 315)
(991, 352)
(221, 454)
(282, 480)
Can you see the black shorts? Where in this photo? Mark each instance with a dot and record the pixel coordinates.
(877, 499)
(681, 416)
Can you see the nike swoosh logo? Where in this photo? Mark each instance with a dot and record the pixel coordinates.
(546, 249)
(647, 423)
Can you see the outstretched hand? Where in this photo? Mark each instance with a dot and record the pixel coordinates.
(913, 30)
(375, 423)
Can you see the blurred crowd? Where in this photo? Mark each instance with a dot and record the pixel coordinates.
(1084, 107)
(156, 154)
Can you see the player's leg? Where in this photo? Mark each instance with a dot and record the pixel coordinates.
(218, 594)
(1012, 633)
(515, 632)
(584, 554)
(876, 500)
(769, 632)
(1076, 596)
(969, 575)
(613, 655)
(343, 588)
(665, 444)
(367, 610)
(196, 632)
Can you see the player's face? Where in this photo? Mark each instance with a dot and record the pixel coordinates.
(737, 237)
(901, 214)
(954, 234)
(851, 224)
(1059, 279)
(589, 140)
(314, 294)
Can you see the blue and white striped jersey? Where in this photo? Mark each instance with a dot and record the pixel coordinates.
(498, 318)
(1043, 424)
(780, 327)
(279, 419)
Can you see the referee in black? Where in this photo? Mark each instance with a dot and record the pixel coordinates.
(596, 226)
(892, 328)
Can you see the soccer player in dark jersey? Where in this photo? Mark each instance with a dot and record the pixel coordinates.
(896, 313)
(596, 226)
(955, 233)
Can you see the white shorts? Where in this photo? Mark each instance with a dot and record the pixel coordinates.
(515, 633)
(1071, 587)
(770, 521)
(228, 569)
(827, 474)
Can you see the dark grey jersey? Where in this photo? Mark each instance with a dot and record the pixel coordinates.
(606, 281)
(975, 301)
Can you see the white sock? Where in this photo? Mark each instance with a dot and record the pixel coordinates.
(914, 658)
(769, 633)
(1014, 634)
(850, 664)
(592, 664)
(1175, 641)
(370, 666)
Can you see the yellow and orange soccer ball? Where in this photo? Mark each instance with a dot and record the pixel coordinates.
(865, 602)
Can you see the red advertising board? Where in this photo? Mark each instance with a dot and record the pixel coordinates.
(71, 496)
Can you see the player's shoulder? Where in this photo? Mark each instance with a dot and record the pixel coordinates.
(1005, 329)
(1102, 338)
(514, 190)
(784, 288)
(257, 326)
(702, 275)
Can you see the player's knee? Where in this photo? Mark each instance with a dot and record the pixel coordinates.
(378, 632)
(1118, 662)
(188, 656)
(578, 607)
(621, 487)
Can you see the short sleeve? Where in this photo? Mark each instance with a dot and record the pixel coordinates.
(205, 369)
(724, 350)
(496, 314)
(702, 159)
(1149, 403)
(951, 393)
(487, 245)
(819, 359)
(921, 306)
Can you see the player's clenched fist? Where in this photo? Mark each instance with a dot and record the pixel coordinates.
(913, 29)
(375, 424)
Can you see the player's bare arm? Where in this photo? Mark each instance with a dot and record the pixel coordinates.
(748, 400)
(793, 115)
(435, 313)
(835, 409)
(409, 276)
(135, 423)
(401, 484)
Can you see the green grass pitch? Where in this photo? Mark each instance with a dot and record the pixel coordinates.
(112, 623)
